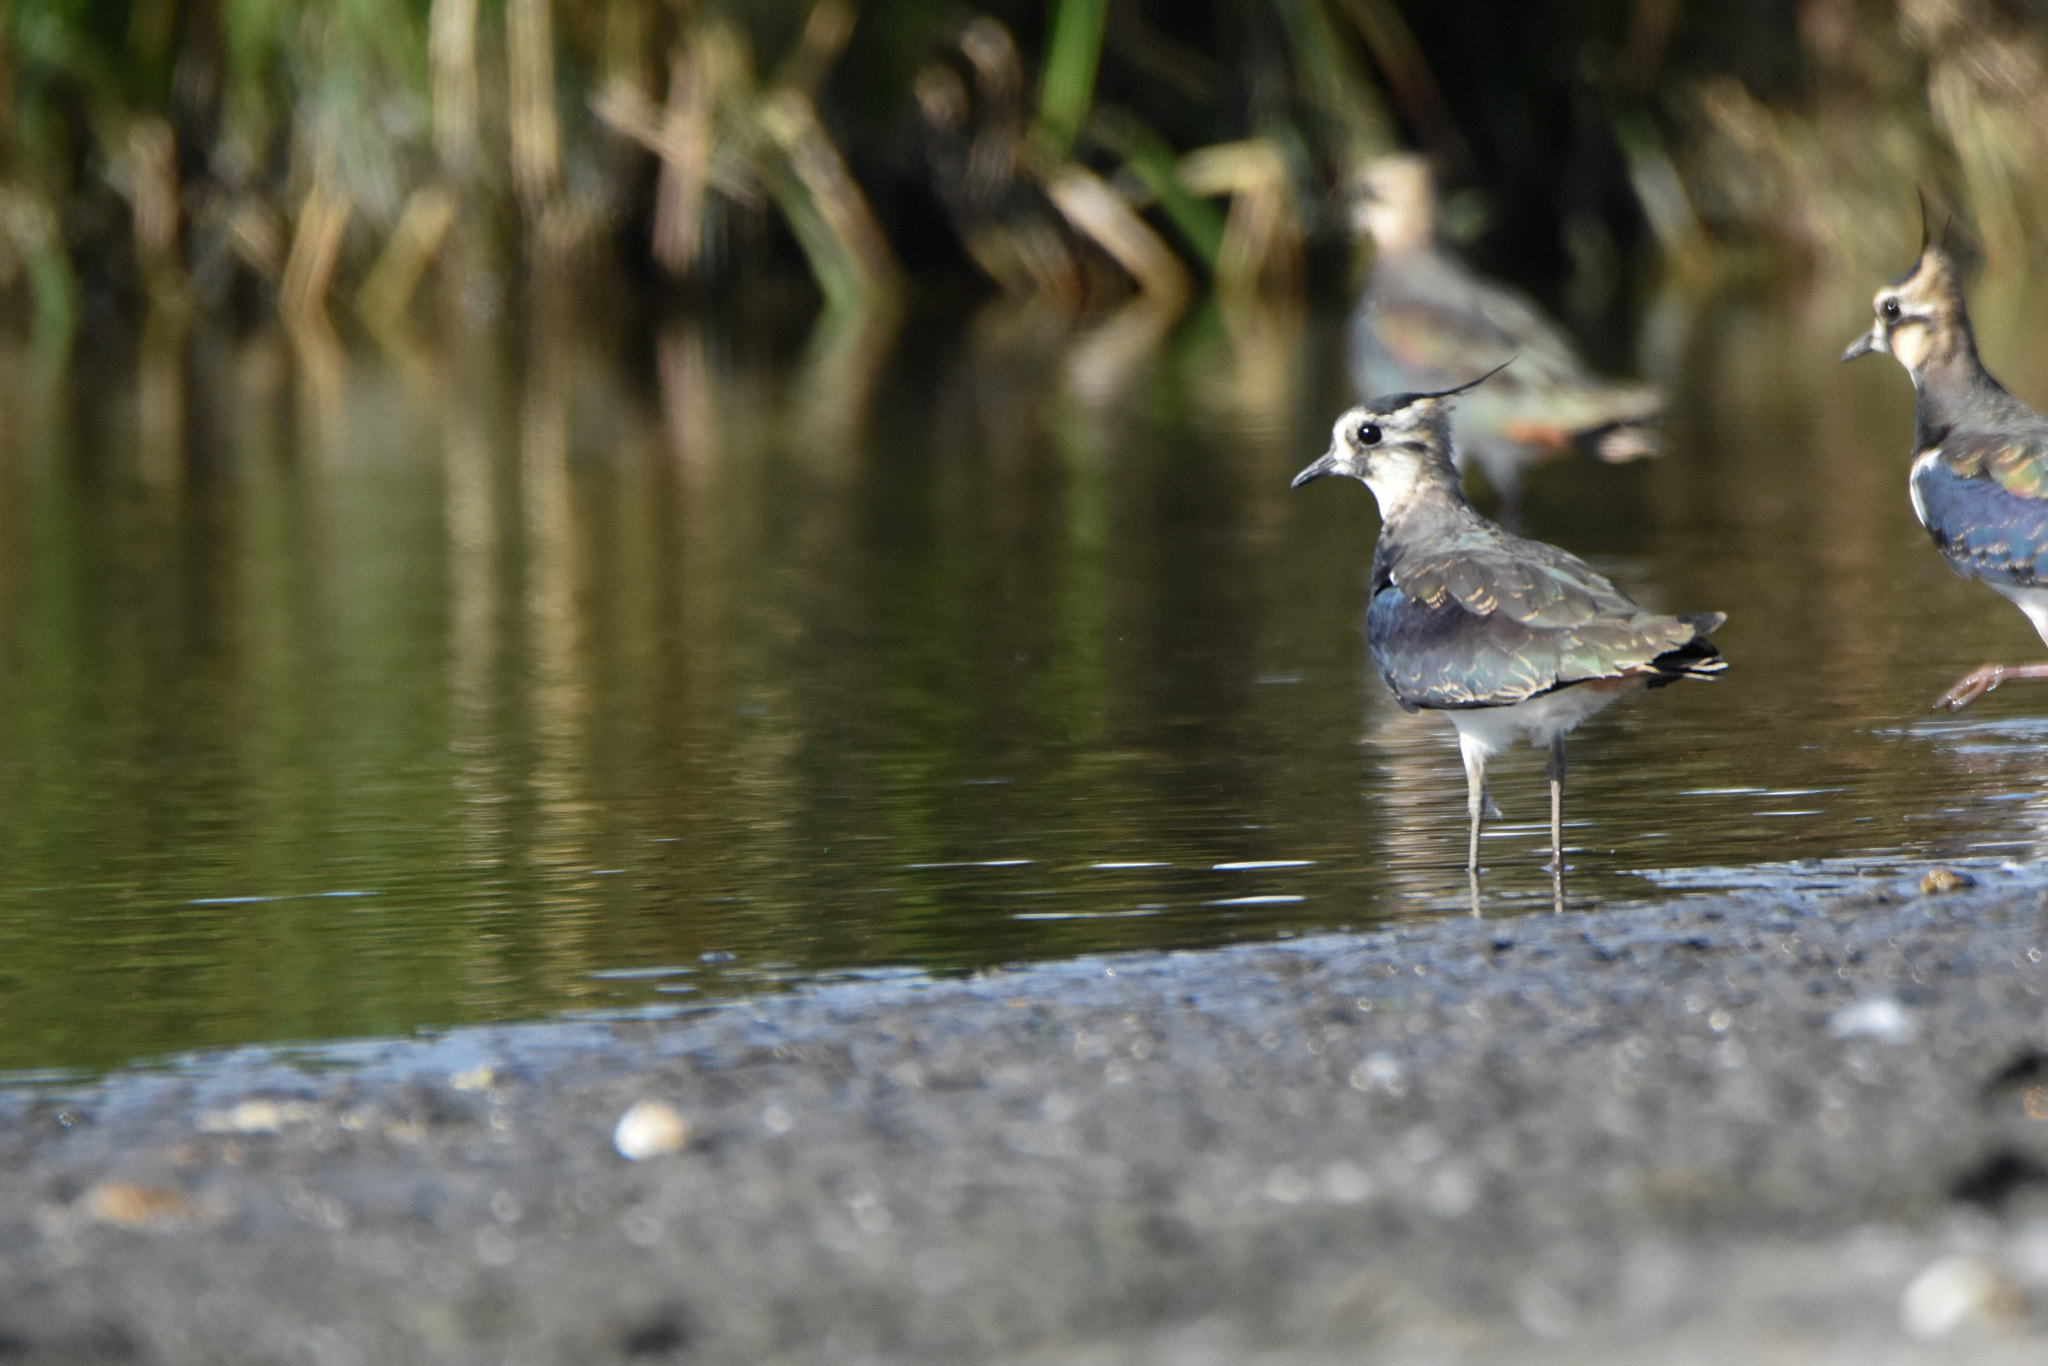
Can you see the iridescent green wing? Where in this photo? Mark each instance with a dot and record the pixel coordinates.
(1481, 618)
(1984, 499)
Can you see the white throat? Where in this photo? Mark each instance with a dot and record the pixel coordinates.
(1392, 479)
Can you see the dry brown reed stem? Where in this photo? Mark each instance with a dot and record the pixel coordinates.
(1262, 237)
(302, 296)
(256, 234)
(316, 246)
(684, 146)
(707, 69)
(631, 114)
(1662, 194)
(422, 227)
(866, 269)
(826, 30)
(536, 137)
(791, 120)
(153, 191)
(1099, 214)
(1987, 85)
(451, 58)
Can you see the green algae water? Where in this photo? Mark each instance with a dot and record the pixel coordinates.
(360, 693)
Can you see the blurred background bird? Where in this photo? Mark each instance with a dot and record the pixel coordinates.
(1427, 320)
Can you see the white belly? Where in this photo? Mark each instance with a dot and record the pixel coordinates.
(2031, 599)
(1541, 719)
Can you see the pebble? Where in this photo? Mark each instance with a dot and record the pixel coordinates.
(256, 1117)
(130, 1204)
(1879, 1017)
(1951, 1292)
(650, 1128)
(478, 1078)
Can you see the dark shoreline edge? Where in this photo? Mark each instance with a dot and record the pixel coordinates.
(1718, 1129)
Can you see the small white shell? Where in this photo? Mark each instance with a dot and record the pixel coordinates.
(1950, 1293)
(650, 1129)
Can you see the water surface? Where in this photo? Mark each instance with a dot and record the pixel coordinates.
(385, 691)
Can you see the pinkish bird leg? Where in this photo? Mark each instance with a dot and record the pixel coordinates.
(1979, 681)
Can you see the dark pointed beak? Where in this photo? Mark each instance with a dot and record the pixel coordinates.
(1327, 464)
(1870, 341)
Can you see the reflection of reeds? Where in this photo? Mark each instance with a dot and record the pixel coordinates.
(160, 399)
(536, 138)
(558, 696)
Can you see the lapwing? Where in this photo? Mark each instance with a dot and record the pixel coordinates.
(1980, 456)
(1507, 636)
(1426, 320)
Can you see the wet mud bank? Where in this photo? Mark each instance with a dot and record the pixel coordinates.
(1762, 1129)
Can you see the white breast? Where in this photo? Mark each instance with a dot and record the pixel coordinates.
(1920, 467)
(2031, 599)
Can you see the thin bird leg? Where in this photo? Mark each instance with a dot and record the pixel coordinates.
(1979, 681)
(1474, 755)
(1556, 771)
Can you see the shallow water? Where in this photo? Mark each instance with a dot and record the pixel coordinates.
(357, 695)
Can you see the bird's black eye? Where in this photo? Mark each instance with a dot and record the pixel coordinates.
(1890, 310)
(1368, 434)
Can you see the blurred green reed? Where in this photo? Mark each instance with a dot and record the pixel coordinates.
(174, 155)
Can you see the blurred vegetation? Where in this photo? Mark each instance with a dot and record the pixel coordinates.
(240, 156)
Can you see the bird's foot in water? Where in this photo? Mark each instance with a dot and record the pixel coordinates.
(1979, 681)
(1970, 687)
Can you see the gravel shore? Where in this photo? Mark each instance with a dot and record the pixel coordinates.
(1773, 1129)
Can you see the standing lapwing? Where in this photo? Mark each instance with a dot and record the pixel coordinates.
(1426, 320)
(1508, 636)
(1980, 456)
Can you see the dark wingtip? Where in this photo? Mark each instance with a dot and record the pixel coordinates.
(1926, 232)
